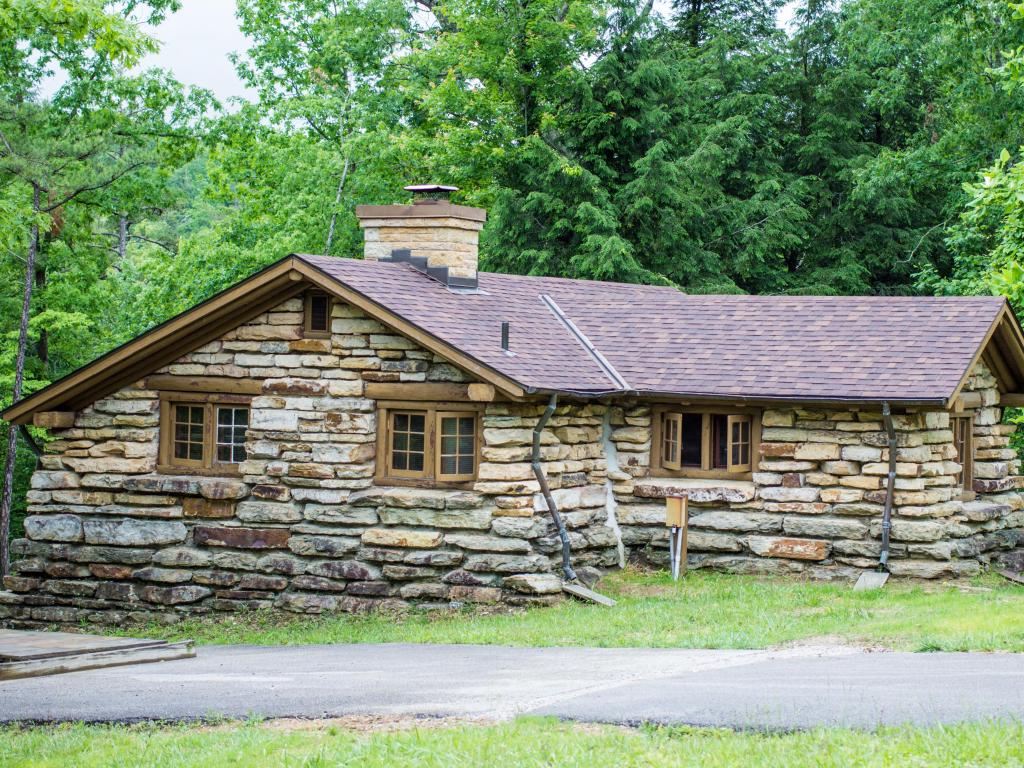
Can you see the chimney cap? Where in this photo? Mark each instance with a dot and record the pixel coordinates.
(430, 188)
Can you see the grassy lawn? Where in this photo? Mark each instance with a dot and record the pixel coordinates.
(522, 743)
(705, 610)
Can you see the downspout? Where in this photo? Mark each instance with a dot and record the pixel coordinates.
(538, 471)
(890, 486)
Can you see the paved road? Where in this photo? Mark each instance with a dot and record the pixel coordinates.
(795, 688)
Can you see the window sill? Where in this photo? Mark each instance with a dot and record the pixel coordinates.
(698, 490)
(414, 482)
(221, 471)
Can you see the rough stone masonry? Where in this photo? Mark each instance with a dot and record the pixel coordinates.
(304, 528)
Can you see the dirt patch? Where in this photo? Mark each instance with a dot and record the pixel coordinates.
(371, 723)
(831, 641)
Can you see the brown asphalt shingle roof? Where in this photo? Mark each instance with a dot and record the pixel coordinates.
(660, 340)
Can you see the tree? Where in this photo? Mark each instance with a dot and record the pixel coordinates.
(97, 129)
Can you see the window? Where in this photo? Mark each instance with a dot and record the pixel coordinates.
(201, 433)
(423, 444)
(963, 439)
(317, 315)
(698, 443)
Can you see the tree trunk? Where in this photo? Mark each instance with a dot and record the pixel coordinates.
(122, 237)
(334, 213)
(19, 377)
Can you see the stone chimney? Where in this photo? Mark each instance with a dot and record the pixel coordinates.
(432, 234)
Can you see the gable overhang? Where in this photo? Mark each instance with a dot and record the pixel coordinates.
(1002, 352)
(210, 319)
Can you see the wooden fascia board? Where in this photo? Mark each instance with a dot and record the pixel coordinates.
(951, 400)
(111, 367)
(416, 333)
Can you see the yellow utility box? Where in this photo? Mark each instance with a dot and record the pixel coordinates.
(676, 519)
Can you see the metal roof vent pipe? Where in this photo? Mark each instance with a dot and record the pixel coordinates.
(505, 329)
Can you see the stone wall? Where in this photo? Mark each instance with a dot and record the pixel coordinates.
(303, 528)
(814, 505)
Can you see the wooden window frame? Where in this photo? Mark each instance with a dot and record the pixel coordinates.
(661, 468)
(431, 476)
(166, 463)
(307, 315)
(966, 466)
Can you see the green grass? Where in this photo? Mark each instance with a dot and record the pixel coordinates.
(705, 610)
(524, 743)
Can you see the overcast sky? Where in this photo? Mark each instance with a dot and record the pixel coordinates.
(196, 41)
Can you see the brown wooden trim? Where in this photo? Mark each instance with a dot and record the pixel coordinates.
(429, 391)
(456, 477)
(385, 475)
(977, 356)
(307, 315)
(215, 384)
(54, 419)
(705, 471)
(162, 344)
(1012, 399)
(968, 400)
(967, 461)
(166, 463)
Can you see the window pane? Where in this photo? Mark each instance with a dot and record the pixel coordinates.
(231, 424)
(691, 439)
(458, 445)
(188, 432)
(318, 313)
(408, 442)
(719, 441)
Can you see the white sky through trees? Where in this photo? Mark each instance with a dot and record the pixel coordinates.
(195, 43)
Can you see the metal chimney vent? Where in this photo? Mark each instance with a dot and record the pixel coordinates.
(430, 193)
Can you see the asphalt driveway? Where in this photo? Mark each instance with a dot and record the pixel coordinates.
(795, 688)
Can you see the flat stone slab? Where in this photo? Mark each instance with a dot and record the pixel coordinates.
(696, 490)
(25, 653)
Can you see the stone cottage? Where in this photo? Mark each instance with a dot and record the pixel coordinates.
(351, 434)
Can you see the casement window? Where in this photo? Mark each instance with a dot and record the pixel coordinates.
(704, 443)
(317, 315)
(427, 444)
(202, 434)
(963, 440)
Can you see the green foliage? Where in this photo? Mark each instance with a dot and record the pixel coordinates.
(526, 742)
(704, 610)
